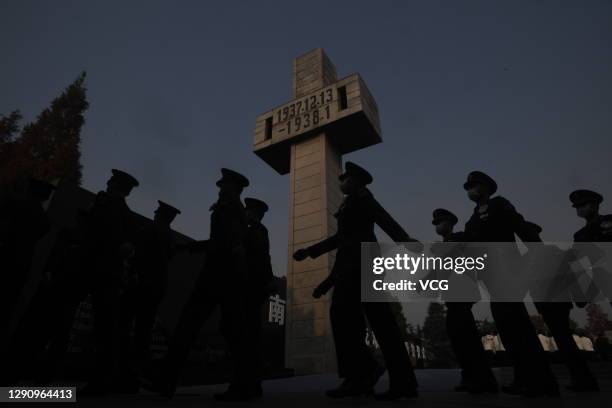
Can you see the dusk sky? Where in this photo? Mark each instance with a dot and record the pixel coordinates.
(519, 89)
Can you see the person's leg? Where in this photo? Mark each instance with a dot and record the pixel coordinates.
(556, 316)
(30, 337)
(253, 354)
(200, 305)
(67, 298)
(455, 323)
(128, 303)
(234, 320)
(465, 340)
(105, 299)
(402, 381)
(144, 322)
(532, 370)
(14, 276)
(354, 359)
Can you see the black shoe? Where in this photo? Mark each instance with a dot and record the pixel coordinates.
(9, 381)
(232, 395)
(461, 388)
(513, 389)
(584, 387)
(350, 388)
(163, 388)
(94, 389)
(257, 392)
(126, 388)
(488, 388)
(374, 376)
(393, 395)
(541, 392)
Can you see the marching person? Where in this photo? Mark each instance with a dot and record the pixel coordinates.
(23, 222)
(87, 259)
(586, 203)
(259, 281)
(476, 374)
(225, 267)
(154, 248)
(556, 315)
(597, 228)
(106, 245)
(496, 220)
(356, 217)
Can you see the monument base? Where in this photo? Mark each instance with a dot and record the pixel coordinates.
(314, 198)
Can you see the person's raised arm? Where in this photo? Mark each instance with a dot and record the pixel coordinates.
(520, 227)
(391, 227)
(318, 249)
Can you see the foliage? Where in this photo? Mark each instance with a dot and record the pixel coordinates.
(49, 147)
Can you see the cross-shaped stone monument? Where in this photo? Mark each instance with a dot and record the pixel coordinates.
(306, 138)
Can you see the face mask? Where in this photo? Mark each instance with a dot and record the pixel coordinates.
(474, 195)
(441, 229)
(583, 211)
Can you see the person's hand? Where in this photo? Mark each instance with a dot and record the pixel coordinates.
(319, 291)
(192, 247)
(127, 250)
(270, 287)
(414, 245)
(300, 254)
(322, 289)
(181, 247)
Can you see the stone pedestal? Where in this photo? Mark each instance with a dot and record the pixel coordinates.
(314, 198)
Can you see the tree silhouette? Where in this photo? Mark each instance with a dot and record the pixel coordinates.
(48, 148)
(539, 324)
(597, 320)
(573, 325)
(9, 126)
(486, 327)
(400, 318)
(434, 333)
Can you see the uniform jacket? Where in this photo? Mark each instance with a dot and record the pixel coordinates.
(24, 223)
(108, 225)
(356, 219)
(228, 227)
(226, 251)
(498, 223)
(592, 232)
(154, 248)
(258, 257)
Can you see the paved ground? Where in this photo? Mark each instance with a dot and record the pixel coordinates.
(307, 391)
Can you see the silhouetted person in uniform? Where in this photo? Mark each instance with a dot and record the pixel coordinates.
(586, 203)
(598, 228)
(357, 216)
(476, 374)
(259, 283)
(148, 281)
(23, 222)
(556, 315)
(41, 334)
(106, 245)
(222, 283)
(496, 220)
(602, 347)
(606, 228)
